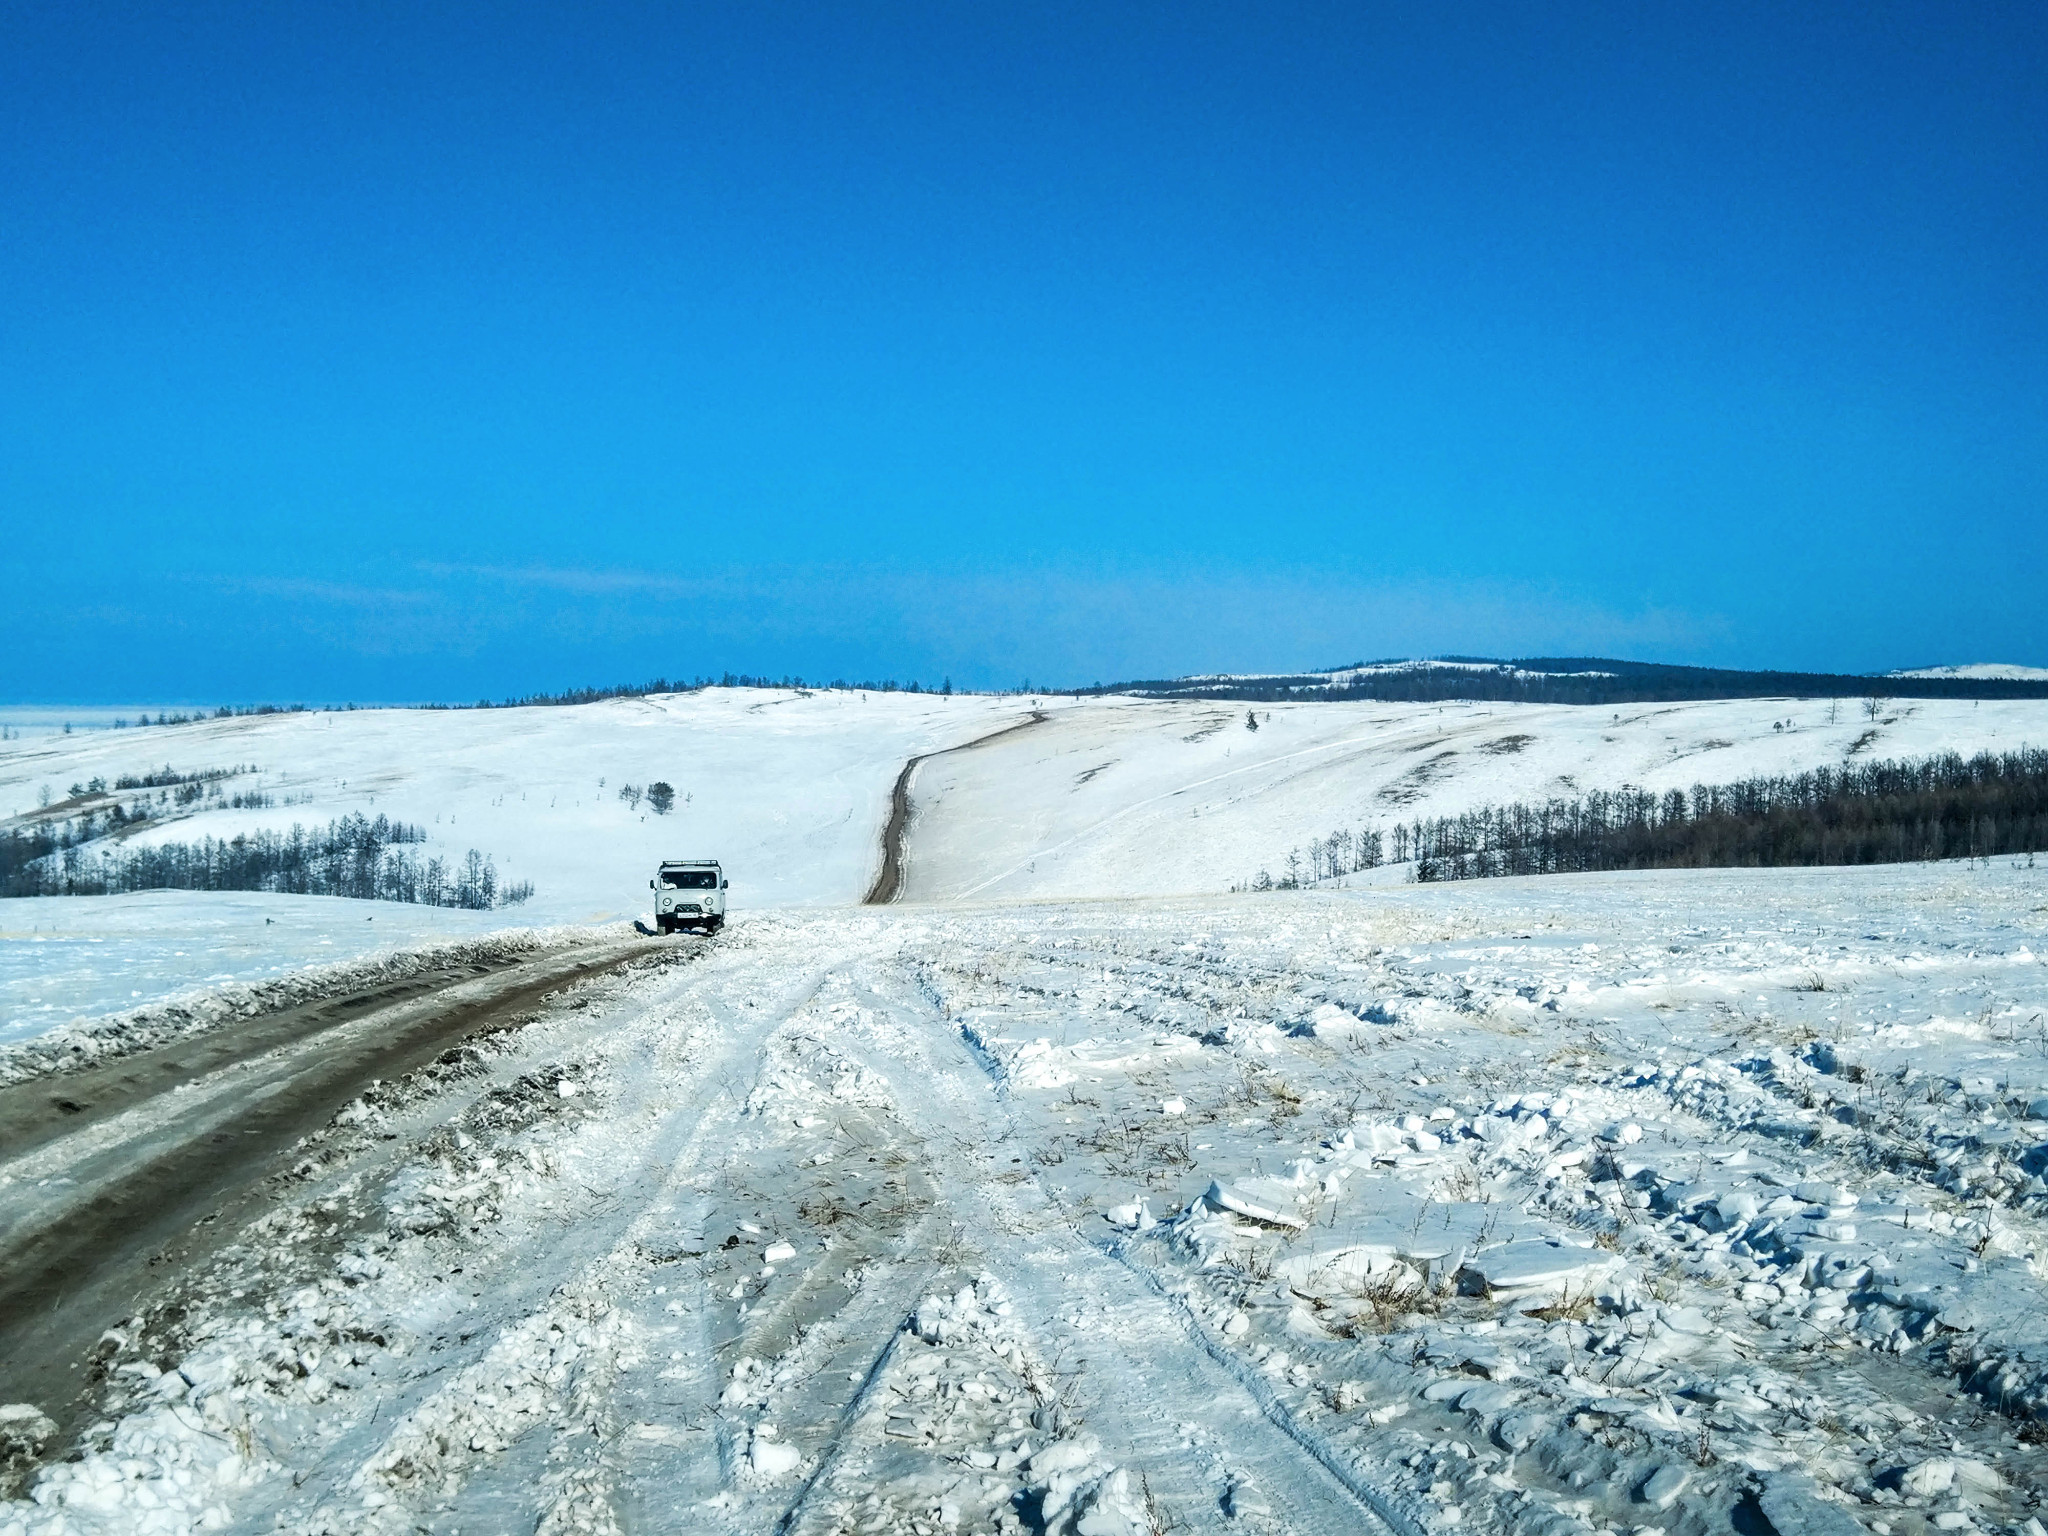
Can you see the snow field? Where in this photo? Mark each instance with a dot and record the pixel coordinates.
(1105, 797)
(76, 966)
(789, 789)
(1126, 797)
(1684, 1202)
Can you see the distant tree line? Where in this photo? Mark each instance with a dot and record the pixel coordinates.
(224, 712)
(70, 823)
(354, 856)
(1944, 807)
(1445, 679)
(173, 787)
(787, 682)
(1343, 852)
(1569, 680)
(160, 778)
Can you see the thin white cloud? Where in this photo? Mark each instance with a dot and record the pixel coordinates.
(1057, 627)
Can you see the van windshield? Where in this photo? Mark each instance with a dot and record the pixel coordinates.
(690, 879)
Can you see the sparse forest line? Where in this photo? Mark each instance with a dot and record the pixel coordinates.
(1564, 680)
(1945, 807)
(353, 856)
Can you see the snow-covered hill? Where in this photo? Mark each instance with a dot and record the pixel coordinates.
(1106, 796)
(1130, 797)
(1982, 669)
(789, 789)
(1103, 797)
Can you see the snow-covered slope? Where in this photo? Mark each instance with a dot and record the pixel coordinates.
(1103, 797)
(789, 789)
(1131, 797)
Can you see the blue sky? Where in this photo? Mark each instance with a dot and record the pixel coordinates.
(416, 352)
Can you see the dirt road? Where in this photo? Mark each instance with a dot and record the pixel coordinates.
(119, 1176)
(889, 880)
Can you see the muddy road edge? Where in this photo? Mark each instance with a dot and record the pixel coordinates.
(159, 1202)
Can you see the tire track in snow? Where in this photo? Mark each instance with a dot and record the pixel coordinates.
(1276, 1412)
(856, 1405)
(1043, 1257)
(455, 1428)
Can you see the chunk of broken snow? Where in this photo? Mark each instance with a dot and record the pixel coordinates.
(1662, 1487)
(1347, 1270)
(1487, 1398)
(359, 1266)
(1329, 1019)
(1926, 1478)
(772, 1458)
(1819, 1192)
(24, 1429)
(1267, 1200)
(1686, 1320)
(566, 1089)
(1137, 1216)
(1534, 1264)
(777, 1252)
(1173, 1106)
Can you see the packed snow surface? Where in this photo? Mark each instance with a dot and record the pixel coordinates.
(1686, 1202)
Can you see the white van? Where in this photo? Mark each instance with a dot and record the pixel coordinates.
(688, 893)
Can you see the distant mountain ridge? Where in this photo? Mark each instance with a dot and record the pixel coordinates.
(1979, 669)
(1585, 680)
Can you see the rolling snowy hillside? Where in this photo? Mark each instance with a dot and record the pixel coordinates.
(1100, 797)
(1128, 797)
(789, 789)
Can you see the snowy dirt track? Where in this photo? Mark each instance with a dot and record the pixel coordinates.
(114, 1172)
(1686, 1202)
